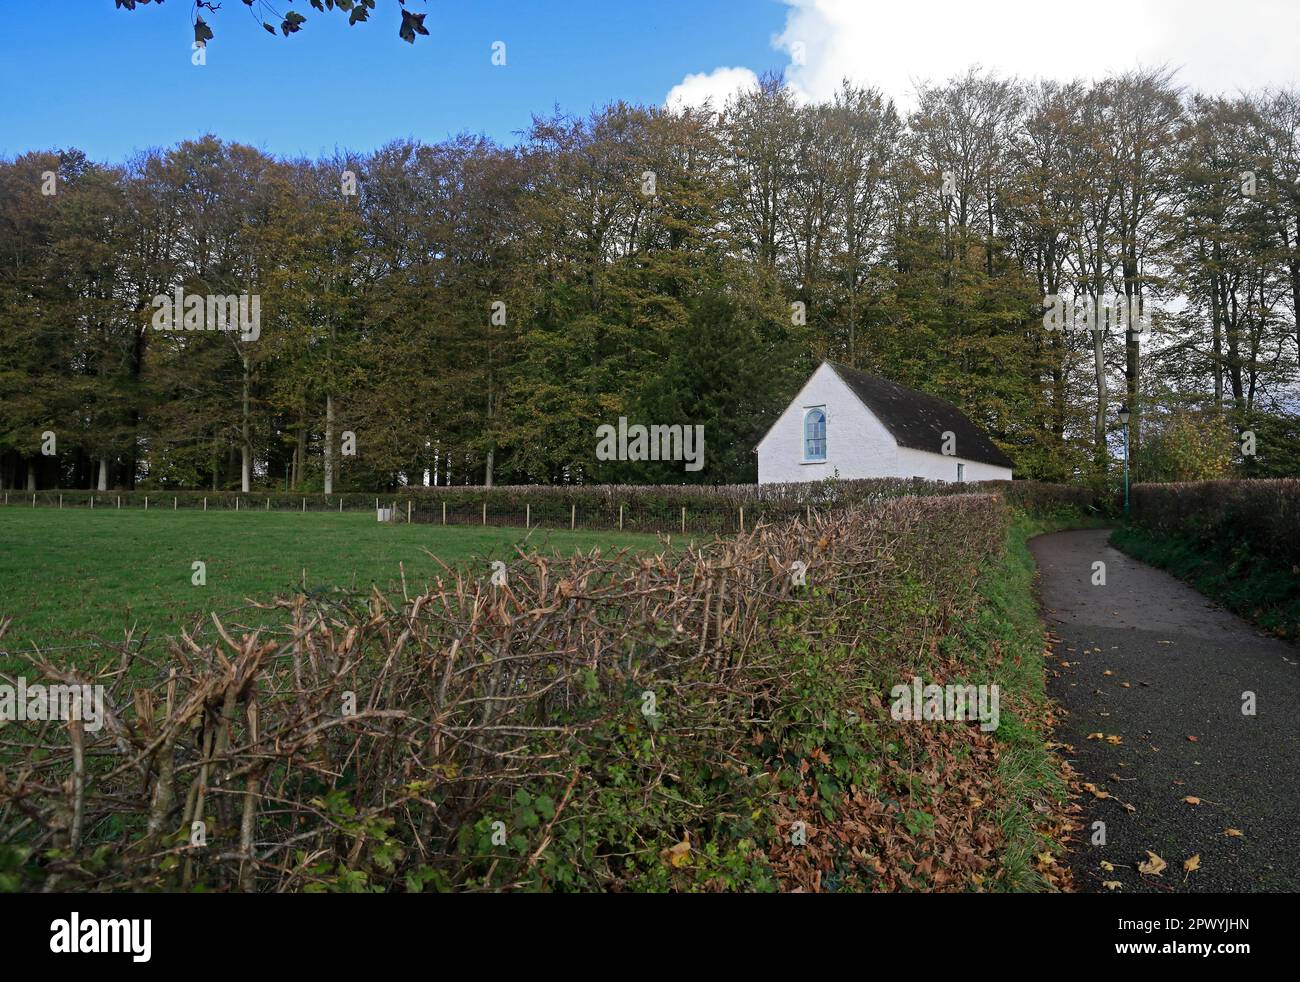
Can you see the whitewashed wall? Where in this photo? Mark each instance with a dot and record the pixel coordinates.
(857, 444)
(936, 467)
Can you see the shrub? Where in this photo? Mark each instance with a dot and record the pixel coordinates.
(1225, 518)
(599, 722)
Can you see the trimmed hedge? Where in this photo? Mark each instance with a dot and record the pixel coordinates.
(601, 722)
(1226, 518)
(695, 509)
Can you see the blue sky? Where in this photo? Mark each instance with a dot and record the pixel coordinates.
(80, 73)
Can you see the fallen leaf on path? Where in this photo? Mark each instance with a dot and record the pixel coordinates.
(1153, 866)
(1193, 739)
(1191, 799)
(1191, 865)
(1114, 740)
(1108, 867)
(1112, 884)
(1234, 833)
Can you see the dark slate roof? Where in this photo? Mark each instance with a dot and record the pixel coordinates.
(917, 420)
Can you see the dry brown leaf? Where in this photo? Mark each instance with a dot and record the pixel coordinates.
(1191, 799)
(1234, 833)
(679, 854)
(1112, 884)
(1193, 864)
(1154, 866)
(1108, 867)
(1193, 739)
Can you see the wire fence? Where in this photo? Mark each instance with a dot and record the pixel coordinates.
(651, 509)
(638, 515)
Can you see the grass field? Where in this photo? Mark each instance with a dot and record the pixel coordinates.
(68, 576)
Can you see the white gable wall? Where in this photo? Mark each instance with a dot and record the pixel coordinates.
(857, 443)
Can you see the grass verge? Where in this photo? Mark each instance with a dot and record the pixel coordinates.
(1007, 629)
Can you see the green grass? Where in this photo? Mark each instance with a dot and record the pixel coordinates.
(68, 576)
(1008, 624)
(1248, 584)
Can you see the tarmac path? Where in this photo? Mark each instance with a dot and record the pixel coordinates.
(1166, 670)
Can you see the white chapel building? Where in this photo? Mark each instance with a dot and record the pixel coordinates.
(847, 424)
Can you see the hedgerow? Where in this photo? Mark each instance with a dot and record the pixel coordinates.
(693, 509)
(604, 722)
(1226, 517)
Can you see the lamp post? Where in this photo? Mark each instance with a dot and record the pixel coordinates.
(1123, 418)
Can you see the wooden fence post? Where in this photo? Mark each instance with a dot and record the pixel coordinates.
(236, 504)
(573, 516)
(528, 515)
(268, 504)
(119, 501)
(408, 511)
(205, 503)
(60, 501)
(485, 511)
(683, 519)
(304, 506)
(340, 506)
(146, 502)
(444, 513)
(620, 518)
(92, 501)
(173, 504)
(742, 521)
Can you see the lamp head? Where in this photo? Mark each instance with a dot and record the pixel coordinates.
(1123, 414)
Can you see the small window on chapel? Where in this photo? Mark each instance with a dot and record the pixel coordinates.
(814, 435)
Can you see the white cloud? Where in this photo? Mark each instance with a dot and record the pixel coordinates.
(715, 87)
(1216, 47)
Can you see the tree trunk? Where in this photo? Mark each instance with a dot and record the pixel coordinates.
(102, 483)
(1101, 455)
(31, 475)
(245, 449)
(329, 443)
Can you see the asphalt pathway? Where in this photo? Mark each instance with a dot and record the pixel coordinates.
(1165, 670)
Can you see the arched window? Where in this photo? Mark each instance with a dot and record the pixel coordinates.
(814, 435)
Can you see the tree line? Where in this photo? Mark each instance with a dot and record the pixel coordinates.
(469, 313)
